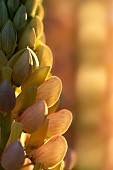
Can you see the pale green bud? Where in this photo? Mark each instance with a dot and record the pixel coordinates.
(3, 13)
(22, 68)
(16, 130)
(27, 39)
(15, 57)
(37, 77)
(8, 38)
(36, 23)
(20, 18)
(12, 6)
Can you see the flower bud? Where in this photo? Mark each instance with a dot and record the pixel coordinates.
(33, 117)
(31, 7)
(51, 153)
(7, 97)
(27, 39)
(16, 130)
(15, 57)
(20, 18)
(13, 156)
(3, 59)
(12, 6)
(44, 54)
(8, 38)
(22, 68)
(59, 122)
(25, 99)
(50, 91)
(3, 13)
(37, 77)
(37, 25)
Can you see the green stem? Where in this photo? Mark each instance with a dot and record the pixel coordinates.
(5, 123)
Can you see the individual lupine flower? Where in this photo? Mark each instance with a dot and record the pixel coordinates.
(13, 156)
(34, 116)
(59, 122)
(50, 91)
(51, 153)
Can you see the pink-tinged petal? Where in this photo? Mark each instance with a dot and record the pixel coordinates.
(33, 117)
(51, 153)
(59, 122)
(13, 156)
(50, 91)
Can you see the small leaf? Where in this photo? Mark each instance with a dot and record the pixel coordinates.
(31, 7)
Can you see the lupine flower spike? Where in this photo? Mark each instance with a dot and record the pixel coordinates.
(31, 129)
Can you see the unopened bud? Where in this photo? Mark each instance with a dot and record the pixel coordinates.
(20, 18)
(37, 77)
(22, 68)
(27, 39)
(36, 23)
(3, 13)
(8, 38)
(12, 6)
(16, 130)
(13, 156)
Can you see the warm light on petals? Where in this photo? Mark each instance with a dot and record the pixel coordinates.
(59, 122)
(33, 117)
(50, 90)
(51, 153)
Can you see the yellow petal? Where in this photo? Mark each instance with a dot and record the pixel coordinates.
(51, 153)
(59, 122)
(44, 54)
(50, 91)
(33, 117)
(37, 77)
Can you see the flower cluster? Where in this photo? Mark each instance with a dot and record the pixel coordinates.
(31, 129)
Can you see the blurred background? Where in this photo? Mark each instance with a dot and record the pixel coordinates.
(80, 35)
